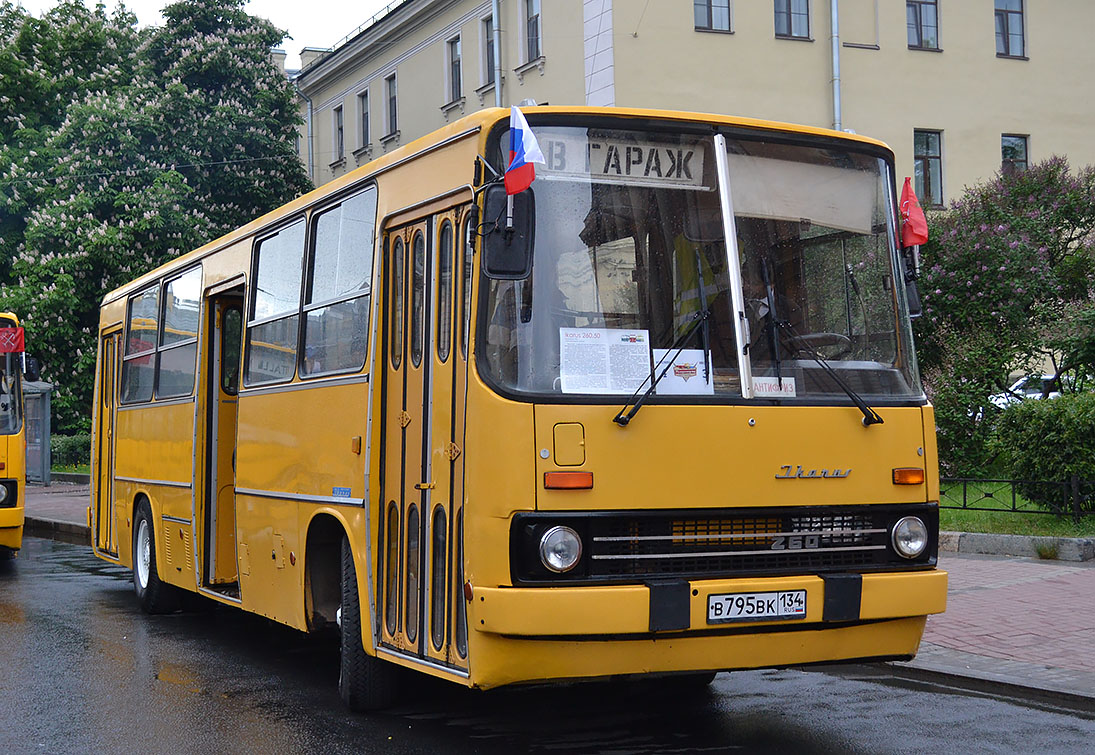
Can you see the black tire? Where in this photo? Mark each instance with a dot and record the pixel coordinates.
(6, 554)
(153, 595)
(364, 681)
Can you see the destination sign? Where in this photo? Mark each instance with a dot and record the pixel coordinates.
(619, 159)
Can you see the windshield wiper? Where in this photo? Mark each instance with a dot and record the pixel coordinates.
(773, 325)
(698, 320)
(870, 416)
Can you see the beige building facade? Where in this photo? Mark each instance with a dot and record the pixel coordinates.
(958, 88)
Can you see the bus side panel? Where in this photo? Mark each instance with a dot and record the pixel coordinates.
(155, 445)
(500, 479)
(296, 442)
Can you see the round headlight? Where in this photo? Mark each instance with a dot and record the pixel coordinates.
(910, 536)
(3, 493)
(560, 549)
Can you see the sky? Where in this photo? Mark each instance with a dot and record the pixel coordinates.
(310, 23)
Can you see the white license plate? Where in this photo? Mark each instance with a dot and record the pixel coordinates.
(756, 606)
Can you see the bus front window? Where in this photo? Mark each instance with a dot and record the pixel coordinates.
(630, 252)
(10, 370)
(629, 248)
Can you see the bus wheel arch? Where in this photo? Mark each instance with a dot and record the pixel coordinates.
(153, 595)
(323, 571)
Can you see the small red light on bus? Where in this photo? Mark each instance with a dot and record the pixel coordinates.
(568, 480)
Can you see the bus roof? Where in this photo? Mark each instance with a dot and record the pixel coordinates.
(473, 123)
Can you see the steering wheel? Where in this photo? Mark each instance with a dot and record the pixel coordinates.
(810, 342)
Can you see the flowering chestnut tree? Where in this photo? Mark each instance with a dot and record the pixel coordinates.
(184, 133)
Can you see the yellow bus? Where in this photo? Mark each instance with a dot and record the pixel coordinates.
(13, 447)
(658, 414)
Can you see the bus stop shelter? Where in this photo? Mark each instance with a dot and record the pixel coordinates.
(36, 396)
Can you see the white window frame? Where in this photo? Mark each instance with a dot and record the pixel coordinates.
(391, 115)
(364, 118)
(452, 94)
(525, 57)
(338, 133)
(486, 63)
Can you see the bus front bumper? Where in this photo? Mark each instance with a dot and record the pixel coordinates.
(548, 633)
(11, 527)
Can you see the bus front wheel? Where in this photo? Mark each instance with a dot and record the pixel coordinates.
(153, 595)
(364, 682)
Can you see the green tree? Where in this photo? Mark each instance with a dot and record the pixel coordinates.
(1003, 268)
(196, 140)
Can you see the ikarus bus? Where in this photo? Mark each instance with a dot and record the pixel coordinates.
(657, 414)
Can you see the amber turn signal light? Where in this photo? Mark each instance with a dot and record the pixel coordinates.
(568, 480)
(908, 476)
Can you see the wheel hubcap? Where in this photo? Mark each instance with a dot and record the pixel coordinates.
(144, 553)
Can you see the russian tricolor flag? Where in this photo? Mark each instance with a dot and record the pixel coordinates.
(524, 151)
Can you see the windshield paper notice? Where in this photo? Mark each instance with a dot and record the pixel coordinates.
(603, 360)
(686, 376)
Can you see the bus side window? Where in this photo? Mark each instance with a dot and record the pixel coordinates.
(230, 350)
(336, 299)
(465, 285)
(275, 307)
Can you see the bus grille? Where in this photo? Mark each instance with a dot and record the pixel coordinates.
(651, 546)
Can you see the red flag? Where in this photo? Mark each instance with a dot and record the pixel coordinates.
(914, 226)
(11, 340)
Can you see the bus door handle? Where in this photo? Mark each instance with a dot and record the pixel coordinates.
(425, 485)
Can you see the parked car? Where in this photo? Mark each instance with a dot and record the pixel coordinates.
(1027, 387)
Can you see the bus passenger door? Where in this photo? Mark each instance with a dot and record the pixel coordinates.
(406, 489)
(219, 569)
(444, 448)
(106, 531)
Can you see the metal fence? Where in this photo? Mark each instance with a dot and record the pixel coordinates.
(1073, 498)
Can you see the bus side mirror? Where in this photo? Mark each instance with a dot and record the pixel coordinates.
(32, 370)
(507, 244)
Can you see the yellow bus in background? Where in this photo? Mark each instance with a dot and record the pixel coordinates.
(659, 414)
(13, 447)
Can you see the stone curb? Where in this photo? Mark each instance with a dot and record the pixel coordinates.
(67, 531)
(1029, 546)
(79, 477)
(989, 683)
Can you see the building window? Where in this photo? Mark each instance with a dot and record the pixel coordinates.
(488, 49)
(363, 116)
(793, 19)
(340, 141)
(922, 19)
(1013, 153)
(1010, 42)
(453, 51)
(928, 167)
(533, 48)
(393, 120)
(712, 15)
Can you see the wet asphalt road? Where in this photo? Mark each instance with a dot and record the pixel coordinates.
(81, 668)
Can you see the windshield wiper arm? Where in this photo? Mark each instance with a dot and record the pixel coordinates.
(699, 319)
(870, 416)
(773, 325)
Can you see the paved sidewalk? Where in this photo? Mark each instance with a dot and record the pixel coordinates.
(1016, 623)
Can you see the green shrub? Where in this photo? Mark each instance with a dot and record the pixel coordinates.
(1052, 440)
(69, 450)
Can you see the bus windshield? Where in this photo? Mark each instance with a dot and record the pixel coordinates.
(630, 277)
(10, 371)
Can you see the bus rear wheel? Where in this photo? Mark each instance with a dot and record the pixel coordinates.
(153, 595)
(364, 682)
